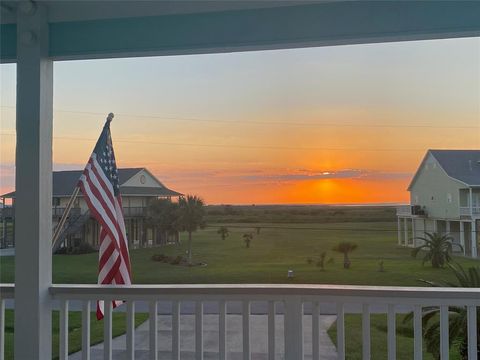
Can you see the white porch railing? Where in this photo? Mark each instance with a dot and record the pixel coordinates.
(293, 297)
(467, 210)
(404, 210)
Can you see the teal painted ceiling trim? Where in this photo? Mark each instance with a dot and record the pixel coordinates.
(282, 27)
(8, 42)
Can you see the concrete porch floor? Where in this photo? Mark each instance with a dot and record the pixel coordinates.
(258, 338)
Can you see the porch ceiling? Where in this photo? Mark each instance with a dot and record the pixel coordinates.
(99, 29)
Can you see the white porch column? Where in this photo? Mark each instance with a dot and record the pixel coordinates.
(435, 225)
(462, 236)
(474, 239)
(399, 230)
(405, 231)
(33, 181)
(414, 235)
(470, 198)
(447, 227)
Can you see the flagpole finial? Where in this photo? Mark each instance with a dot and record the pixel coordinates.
(110, 117)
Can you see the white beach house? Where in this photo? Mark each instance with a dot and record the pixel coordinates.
(444, 198)
(138, 187)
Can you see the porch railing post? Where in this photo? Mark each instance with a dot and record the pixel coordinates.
(293, 328)
(33, 182)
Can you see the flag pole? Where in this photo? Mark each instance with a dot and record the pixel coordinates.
(63, 219)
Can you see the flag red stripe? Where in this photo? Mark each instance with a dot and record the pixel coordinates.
(95, 212)
(99, 185)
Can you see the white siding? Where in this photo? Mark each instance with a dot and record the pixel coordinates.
(435, 190)
(142, 179)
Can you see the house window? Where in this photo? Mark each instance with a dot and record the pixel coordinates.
(55, 201)
(415, 200)
(449, 198)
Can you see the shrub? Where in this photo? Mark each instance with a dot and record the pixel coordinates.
(177, 260)
(82, 248)
(158, 257)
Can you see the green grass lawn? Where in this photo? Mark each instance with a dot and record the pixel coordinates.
(74, 330)
(276, 249)
(378, 336)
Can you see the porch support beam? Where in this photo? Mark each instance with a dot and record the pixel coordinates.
(462, 236)
(474, 239)
(266, 27)
(33, 183)
(399, 230)
(414, 233)
(470, 198)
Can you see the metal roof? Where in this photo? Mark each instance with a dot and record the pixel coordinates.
(463, 165)
(64, 183)
(147, 191)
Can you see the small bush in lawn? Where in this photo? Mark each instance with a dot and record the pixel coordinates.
(177, 260)
(82, 248)
(158, 257)
(85, 248)
(61, 251)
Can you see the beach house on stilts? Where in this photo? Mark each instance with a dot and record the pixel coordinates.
(444, 198)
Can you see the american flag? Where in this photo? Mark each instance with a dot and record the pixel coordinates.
(101, 191)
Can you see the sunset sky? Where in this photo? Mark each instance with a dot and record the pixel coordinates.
(345, 124)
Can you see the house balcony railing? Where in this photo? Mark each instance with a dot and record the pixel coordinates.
(404, 210)
(134, 211)
(409, 210)
(290, 302)
(468, 211)
(57, 212)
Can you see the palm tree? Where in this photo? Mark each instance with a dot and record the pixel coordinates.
(163, 215)
(191, 218)
(321, 261)
(457, 316)
(248, 237)
(223, 231)
(438, 248)
(345, 248)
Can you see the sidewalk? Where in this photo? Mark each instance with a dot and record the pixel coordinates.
(258, 338)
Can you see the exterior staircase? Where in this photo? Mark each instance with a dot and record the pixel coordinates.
(73, 224)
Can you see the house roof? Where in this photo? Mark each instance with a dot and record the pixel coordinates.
(64, 183)
(147, 191)
(461, 165)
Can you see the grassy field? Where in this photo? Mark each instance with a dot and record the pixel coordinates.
(74, 330)
(278, 248)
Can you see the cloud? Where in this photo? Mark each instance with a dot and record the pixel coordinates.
(307, 175)
(256, 176)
